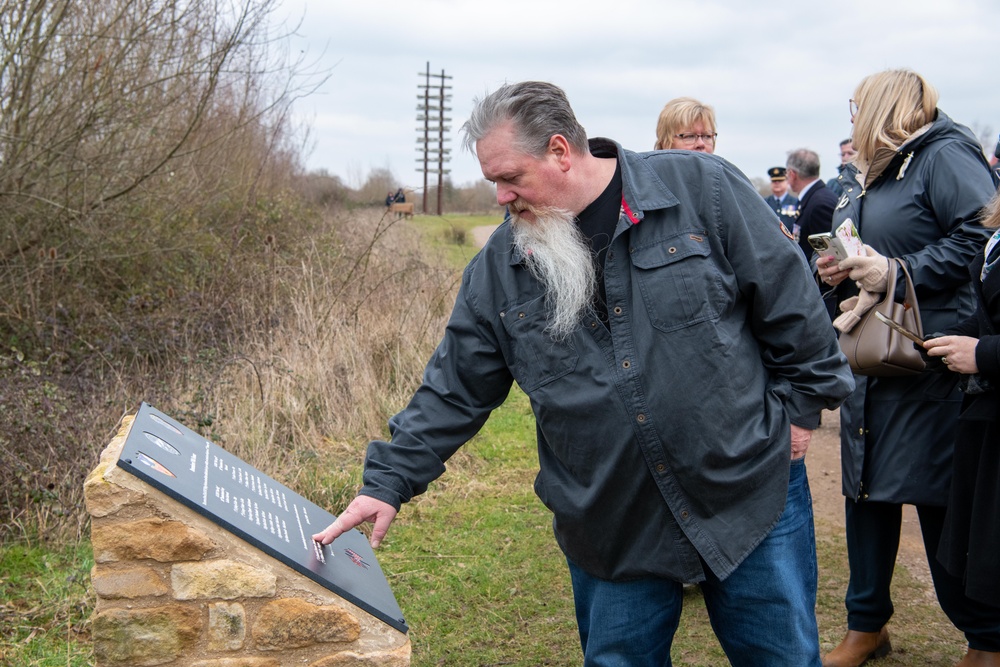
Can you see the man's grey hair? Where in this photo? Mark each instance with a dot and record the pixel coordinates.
(537, 109)
(804, 162)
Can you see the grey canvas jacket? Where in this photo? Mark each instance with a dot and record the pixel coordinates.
(663, 436)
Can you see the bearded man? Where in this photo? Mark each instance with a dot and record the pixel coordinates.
(676, 354)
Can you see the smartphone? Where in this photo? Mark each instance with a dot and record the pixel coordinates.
(850, 239)
(828, 245)
(899, 328)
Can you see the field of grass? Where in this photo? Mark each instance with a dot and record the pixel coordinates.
(472, 562)
(451, 235)
(45, 603)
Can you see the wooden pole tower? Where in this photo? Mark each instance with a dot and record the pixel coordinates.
(431, 136)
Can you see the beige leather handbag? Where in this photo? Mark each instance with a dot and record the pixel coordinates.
(872, 348)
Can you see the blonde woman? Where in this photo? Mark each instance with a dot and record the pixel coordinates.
(915, 191)
(687, 124)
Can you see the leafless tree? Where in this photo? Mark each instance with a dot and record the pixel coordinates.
(138, 101)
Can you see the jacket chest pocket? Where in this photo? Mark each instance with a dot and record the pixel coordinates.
(679, 282)
(537, 359)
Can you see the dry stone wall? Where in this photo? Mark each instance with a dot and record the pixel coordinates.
(175, 589)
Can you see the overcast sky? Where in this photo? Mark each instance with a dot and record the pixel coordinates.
(778, 74)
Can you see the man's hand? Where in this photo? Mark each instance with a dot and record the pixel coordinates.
(800, 441)
(361, 509)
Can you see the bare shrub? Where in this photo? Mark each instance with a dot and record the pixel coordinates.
(355, 317)
(377, 185)
(133, 134)
(145, 155)
(473, 198)
(325, 338)
(323, 189)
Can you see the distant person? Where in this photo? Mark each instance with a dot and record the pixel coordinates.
(389, 198)
(847, 154)
(673, 401)
(970, 537)
(686, 124)
(399, 197)
(781, 201)
(915, 191)
(816, 201)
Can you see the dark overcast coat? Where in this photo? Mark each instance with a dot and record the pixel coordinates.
(897, 433)
(663, 438)
(970, 540)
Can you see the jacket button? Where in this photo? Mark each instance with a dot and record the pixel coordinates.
(618, 310)
(641, 418)
(672, 250)
(521, 315)
(626, 364)
(684, 514)
(660, 467)
(861, 431)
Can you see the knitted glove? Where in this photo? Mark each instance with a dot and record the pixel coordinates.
(853, 309)
(871, 272)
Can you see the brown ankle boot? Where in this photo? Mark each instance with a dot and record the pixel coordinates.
(976, 658)
(857, 647)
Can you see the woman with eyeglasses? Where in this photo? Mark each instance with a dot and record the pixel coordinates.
(687, 124)
(914, 191)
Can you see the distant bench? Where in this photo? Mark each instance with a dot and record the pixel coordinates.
(402, 209)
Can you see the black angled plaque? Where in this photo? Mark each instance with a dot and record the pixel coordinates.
(251, 505)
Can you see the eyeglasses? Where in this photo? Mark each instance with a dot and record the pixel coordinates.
(691, 139)
(854, 108)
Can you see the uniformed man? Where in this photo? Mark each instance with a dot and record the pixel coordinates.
(782, 202)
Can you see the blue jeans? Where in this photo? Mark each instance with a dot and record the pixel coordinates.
(764, 613)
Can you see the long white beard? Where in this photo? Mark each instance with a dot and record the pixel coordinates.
(557, 255)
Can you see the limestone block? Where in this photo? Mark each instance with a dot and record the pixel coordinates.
(144, 637)
(154, 539)
(227, 626)
(221, 579)
(114, 448)
(127, 582)
(104, 498)
(294, 623)
(399, 657)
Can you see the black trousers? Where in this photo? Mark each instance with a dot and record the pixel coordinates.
(873, 531)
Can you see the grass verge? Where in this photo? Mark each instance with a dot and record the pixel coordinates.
(44, 605)
(472, 562)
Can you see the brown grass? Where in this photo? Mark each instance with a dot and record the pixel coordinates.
(300, 349)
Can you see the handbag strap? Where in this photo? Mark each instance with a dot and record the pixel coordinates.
(897, 267)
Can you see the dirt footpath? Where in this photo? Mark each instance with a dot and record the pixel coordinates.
(823, 465)
(482, 234)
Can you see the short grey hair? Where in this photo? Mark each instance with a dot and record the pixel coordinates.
(538, 111)
(804, 162)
